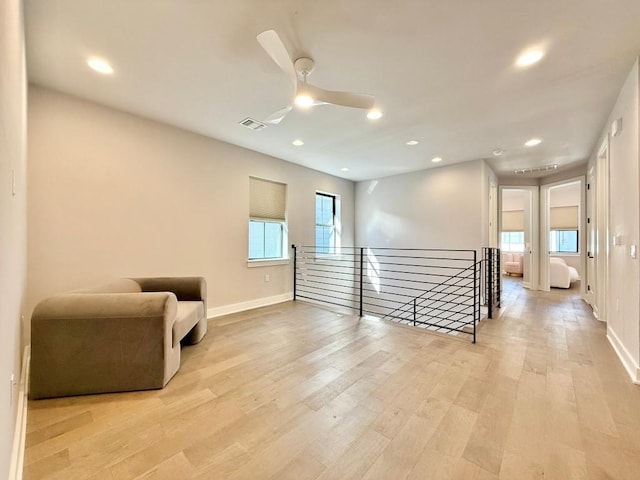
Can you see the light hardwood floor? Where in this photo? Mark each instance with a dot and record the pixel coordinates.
(293, 391)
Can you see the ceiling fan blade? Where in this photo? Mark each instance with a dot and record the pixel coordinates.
(270, 41)
(277, 116)
(346, 99)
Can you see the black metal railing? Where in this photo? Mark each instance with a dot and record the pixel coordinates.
(492, 286)
(437, 289)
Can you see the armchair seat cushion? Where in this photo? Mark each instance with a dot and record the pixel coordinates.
(187, 316)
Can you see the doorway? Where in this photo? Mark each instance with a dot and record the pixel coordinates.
(519, 228)
(563, 242)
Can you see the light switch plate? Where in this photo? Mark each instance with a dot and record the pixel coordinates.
(634, 251)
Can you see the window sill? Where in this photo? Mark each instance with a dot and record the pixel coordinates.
(269, 262)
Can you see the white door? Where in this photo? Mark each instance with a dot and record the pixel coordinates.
(602, 228)
(493, 215)
(592, 240)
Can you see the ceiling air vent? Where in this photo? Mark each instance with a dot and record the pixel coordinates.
(252, 124)
(546, 168)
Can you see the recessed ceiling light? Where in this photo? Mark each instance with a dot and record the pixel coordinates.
(297, 142)
(533, 142)
(436, 159)
(497, 152)
(344, 169)
(411, 143)
(529, 58)
(374, 114)
(100, 66)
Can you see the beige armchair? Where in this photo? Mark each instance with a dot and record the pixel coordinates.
(117, 337)
(513, 263)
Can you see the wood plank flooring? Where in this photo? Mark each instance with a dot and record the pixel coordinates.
(294, 391)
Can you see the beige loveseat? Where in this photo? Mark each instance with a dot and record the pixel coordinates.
(117, 337)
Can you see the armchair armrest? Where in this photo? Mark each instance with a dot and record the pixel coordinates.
(184, 288)
(102, 342)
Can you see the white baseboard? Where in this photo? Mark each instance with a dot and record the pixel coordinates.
(629, 363)
(241, 307)
(20, 431)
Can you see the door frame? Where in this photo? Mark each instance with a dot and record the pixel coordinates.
(603, 229)
(531, 232)
(545, 228)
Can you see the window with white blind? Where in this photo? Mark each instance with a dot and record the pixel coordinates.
(267, 219)
(563, 237)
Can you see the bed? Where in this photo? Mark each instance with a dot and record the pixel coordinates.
(561, 275)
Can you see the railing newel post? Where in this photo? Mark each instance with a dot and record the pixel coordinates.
(476, 292)
(489, 268)
(295, 271)
(498, 278)
(361, 276)
(414, 312)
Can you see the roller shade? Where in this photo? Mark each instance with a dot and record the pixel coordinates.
(267, 199)
(564, 218)
(513, 221)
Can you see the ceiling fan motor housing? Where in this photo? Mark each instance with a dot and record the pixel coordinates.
(304, 66)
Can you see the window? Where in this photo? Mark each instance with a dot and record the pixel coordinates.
(327, 223)
(265, 239)
(512, 241)
(267, 222)
(563, 241)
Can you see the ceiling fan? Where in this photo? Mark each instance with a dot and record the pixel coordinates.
(307, 95)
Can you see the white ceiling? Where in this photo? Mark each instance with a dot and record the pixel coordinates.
(442, 71)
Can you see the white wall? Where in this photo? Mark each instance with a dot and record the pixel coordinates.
(13, 214)
(445, 207)
(118, 195)
(623, 293)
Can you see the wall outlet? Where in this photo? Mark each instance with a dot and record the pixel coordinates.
(266, 277)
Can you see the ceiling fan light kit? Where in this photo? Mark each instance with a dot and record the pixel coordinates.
(307, 95)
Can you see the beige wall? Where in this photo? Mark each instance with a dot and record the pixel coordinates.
(13, 214)
(445, 207)
(117, 195)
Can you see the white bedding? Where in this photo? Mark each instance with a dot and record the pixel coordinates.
(561, 275)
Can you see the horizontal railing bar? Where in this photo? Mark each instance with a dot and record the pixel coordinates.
(315, 266)
(449, 322)
(418, 281)
(449, 317)
(465, 312)
(436, 326)
(441, 309)
(420, 287)
(424, 305)
(319, 291)
(304, 273)
(398, 249)
(352, 307)
(411, 257)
